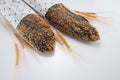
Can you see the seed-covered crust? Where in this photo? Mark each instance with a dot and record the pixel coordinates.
(36, 32)
(71, 24)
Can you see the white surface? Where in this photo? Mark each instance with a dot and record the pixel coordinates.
(97, 61)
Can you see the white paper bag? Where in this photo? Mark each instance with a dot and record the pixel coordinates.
(15, 10)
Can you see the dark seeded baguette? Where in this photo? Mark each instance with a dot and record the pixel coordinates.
(36, 32)
(71, 24)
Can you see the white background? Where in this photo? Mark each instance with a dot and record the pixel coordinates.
(97, 61)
